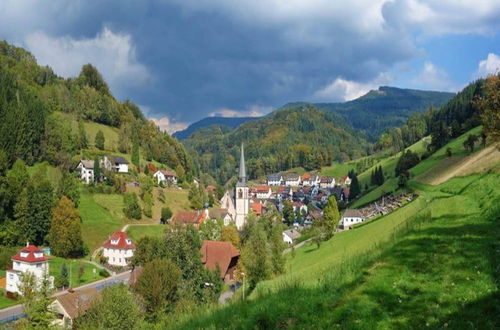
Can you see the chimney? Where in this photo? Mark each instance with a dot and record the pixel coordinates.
(27, 243)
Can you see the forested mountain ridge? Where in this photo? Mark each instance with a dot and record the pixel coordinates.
(298, 136)
(386, 107)
(32, 98)
(231, 122)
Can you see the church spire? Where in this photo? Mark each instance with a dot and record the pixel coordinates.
(243, 174)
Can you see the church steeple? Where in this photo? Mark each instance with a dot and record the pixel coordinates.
(243, 174)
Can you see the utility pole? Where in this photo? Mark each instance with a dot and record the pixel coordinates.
(243, 274)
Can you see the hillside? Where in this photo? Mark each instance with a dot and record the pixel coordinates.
(231, 122)
(431, 263)
(302, 136)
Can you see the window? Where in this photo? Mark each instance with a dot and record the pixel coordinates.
(113, 259)
(38, 265)
(11, 276)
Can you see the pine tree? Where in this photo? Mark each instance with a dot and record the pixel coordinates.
(97, 170)
(65, 234)
(135, 153)
(331, 215)
(82, 136)
(355, 189)
(99, 140)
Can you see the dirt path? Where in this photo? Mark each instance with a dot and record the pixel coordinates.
(470, 164)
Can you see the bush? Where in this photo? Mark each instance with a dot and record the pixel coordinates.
(104, 273)
(132, 209)
(166, 213)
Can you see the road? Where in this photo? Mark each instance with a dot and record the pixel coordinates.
(17, 310)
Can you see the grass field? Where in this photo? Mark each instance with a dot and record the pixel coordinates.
(442, 273)
(53, 174)
(137, 232)
(88, 275)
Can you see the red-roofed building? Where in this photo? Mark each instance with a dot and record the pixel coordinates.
(28, 259)
(118, 249)
(186, 218)
(165, 176)
(221, 254)
(257, 207)
(299, 207)
(262, 192)
(211, 188)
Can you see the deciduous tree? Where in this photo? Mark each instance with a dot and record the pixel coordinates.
(65, 235)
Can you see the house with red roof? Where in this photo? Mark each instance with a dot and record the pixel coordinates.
(118, 249)
(29, 259)
(257, 208)
(186, 218)
(221, 255)
(262, 192)
(165, 177)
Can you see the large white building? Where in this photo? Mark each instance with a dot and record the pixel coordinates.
(86, 169)
(242, 196)
(165, 176)
(118, 249)
(115, 164)
(29, 260)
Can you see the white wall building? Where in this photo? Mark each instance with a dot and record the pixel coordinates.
(242, 197)
(86, 169)
(164, 176)
(274, 179)
(327, 182)
(30, 259)
(351, 217)
(118, 249)
(116, 164)
(263, 192)
(292, 180)
(290, 235)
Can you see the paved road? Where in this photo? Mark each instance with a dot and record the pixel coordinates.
(17, 310)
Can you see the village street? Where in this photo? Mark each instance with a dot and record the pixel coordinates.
(14, 312)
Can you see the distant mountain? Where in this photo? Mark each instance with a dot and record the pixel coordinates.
(386, 107)
(231, 122)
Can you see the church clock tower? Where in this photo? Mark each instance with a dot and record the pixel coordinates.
(241, 194)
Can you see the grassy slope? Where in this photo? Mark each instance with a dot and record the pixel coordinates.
(137, 232)
(441, 274)
(87, 276)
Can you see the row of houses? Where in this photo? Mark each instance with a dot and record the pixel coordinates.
(307, 179)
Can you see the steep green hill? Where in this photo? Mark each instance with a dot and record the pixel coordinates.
(230, 122)
(432, 263)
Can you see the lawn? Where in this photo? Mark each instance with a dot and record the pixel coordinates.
(88, 275)
(53, 174)
(441, 274)
(6, 302)
(138, 232)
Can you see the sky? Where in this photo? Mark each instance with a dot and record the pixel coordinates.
(183, 60)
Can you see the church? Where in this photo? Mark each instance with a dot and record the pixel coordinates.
(239, 206)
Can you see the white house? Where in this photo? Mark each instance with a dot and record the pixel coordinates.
(310, 179)
(299, 207)
(274, 179)
(86, 169)
(327, 182)
(222, 214)
(263, 192)
(292, 180)
(118, 249)
(29, 260)
(290, 235)
(345, 180)
(165, 176)
(351, 217)
(116, 164)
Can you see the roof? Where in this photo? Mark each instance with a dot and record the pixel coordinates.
(351, 213)
(262, 189)
(31, 250)
(306, 176)
(257, 208)
(119, 160)
(210, 188)
(315, 214)
(298, 204)
(274, 177)
(242, 172)
(215, 253)
(292, 233)
(87, 163)
(122, 243)
(292, 176)
(167, 173)
(218, 213)
(188, 217)
(77, 302)
(326, 179)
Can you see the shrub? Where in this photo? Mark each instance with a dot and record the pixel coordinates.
(104, 273)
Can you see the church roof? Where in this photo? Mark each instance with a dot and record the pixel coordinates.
(243, 173)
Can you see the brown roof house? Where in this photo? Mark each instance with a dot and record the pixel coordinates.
(72, 305)
(220, 254)
(350, 218)
(186, 218)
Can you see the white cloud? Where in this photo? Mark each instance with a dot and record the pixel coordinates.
(167, 125)
(491, 65)
(253, 111)
(112, 53)
(435, 78)
(342, 89)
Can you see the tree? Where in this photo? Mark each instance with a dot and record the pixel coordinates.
(115, 308)
(97, 170)
(449, 152)
(148, 204)
(166, 214)
(99, 140)
(81, 270)
(407, 160)
(489, 106)
(36, 300)
(211, 230)
(331, 216)
(135, 153)
(288, 212)
(62, 280)
(132, 209)
(403, 180)
(68, 186)
(470, 142)
(355, 189)
(82, 136)
(65, 235)
(255, 256)
(230, 234)
(157, 285)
